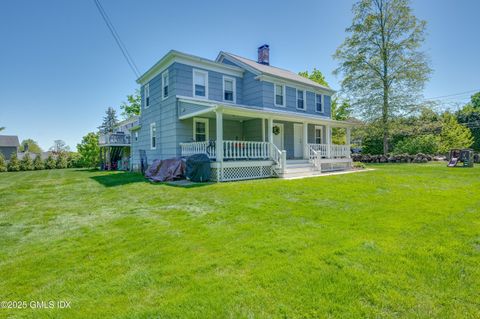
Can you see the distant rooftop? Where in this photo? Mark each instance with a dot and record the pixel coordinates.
(9, 141)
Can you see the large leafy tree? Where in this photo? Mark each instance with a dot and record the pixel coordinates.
(132, 106)
(469, 116)
(30, 145)
(59, 146)
(316, 76)
(383, 68)
(109, 121)
(89, 150)
(453, 134)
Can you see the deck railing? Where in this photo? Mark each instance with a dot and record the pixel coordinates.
(114, 139)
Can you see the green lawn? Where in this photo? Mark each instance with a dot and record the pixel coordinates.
(399, 241)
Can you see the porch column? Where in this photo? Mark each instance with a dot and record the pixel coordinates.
(219, 146)
(328, 136)
(263, 130)
(348, 140)
(270, 129)
(305, 140)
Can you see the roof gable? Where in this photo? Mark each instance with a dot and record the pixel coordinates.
(9, 141)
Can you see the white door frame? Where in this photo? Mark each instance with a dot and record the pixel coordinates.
(297, 140)
(281, 135)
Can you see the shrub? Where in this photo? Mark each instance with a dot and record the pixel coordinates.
(3, 163)
(74, 160)
(13, 164)
(50, 162)
(26, 164)
(62, 160)
(38, 163)
(418, 144)
(358, 165)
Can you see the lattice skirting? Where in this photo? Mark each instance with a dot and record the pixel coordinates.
(241, 170)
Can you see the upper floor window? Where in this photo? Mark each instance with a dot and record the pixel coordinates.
(279, 95)
(153, 136)
(200, 129)
(319, 103)
(165, 84)
(229, 89)
(200, 83)
(301, 99)
(146, 94)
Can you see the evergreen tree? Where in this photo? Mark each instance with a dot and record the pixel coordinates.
(62, 160)
(109, 121)
(50, 162)
(453, 134)
(13, 164)
(38, 163)
(26, 164)
(3, 163)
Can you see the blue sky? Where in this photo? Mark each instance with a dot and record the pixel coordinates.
(60, 68)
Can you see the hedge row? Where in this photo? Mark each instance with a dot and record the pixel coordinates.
(62, 160)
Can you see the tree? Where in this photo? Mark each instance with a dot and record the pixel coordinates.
(426, 144)
(384, 70)
(50, 162)
(59, 146)
(30, 146)
(453, 134)
(62, 160)
(13, 164)
(469, 116)
(38, 163)
(3, 164)
(2, 128)
(133, 105)
(89, 150)
(316, 76)
(475, 101)
(26, 164)
(109, 121)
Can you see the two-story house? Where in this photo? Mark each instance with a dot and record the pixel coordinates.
(253, 120)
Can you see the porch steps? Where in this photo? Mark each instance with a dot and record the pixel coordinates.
(298, 168)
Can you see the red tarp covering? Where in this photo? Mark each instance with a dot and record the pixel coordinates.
(166, 170)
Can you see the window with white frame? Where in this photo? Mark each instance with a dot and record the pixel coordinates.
(319, 103)
(200, 130)
(300, 99)
(153, 136)
(146, 94)
(165, 84)
(279, 95)
(200, 83)
(229, 89)
(318, 134)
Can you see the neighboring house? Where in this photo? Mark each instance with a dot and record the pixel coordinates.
(252, 119)
(8, 145)
(43, 155)
(115, 151)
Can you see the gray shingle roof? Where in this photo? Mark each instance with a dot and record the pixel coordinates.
(9, 140)
(274, 71)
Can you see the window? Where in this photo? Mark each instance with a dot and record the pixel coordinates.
(301, 99)
(165, 83)
(200, 130)
(135, 135)
(318, 134)
(279, 95)
(200, 83)
(153, 136)
(146, 94)
(319, 103)
(229, 88)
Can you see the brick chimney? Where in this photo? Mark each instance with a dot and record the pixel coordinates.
(264, 54)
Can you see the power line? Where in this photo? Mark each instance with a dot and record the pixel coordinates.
(117, 38)
(454, 94)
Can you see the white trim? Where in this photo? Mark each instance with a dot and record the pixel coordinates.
(221, 55)
(234, 84)
(153, 125)
(175, 56)
(284, 89)
(200, 120)
(318, 127)
(322, 101)
(165, 73)
(146, 94)
(205, 73)
(304, 100)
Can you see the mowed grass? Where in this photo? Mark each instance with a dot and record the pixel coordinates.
(402, 241)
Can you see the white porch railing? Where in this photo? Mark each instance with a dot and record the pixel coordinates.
(246, 150)
(334, 151)
(313, 156)
(198, 148)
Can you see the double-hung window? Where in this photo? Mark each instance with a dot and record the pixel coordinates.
(146, 94)
(200, 83)
(229, 89)
(279, 95)
(200, 129)
(300, 99)
(153, 136)
(318, 134)
(319, 103)
(165, 85)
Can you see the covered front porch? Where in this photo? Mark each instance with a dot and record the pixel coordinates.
(246, 144)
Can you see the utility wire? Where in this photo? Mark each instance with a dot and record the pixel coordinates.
(117, 38)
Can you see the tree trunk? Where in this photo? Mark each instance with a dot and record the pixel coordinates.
(385, 118)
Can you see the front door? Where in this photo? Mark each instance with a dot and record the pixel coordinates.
(278, 138)
(298, 140)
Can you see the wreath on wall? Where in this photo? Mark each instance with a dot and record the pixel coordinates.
(276, 130)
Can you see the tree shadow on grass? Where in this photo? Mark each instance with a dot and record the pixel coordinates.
(118, 179)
